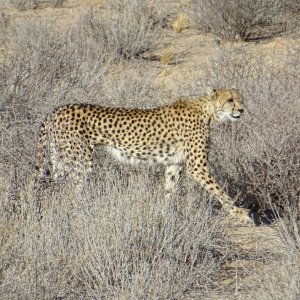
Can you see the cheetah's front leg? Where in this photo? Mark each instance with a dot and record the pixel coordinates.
(197, 168)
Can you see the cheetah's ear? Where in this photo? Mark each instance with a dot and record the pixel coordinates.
(212, 91)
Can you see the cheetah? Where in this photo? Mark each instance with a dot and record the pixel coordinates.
(175, 135)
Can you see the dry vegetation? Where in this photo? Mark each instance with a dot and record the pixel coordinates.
(239, 20)
(23, 5)
(120, 239)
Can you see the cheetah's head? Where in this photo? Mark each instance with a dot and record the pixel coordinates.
(228, 105)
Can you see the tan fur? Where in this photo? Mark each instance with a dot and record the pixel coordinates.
(173, 135)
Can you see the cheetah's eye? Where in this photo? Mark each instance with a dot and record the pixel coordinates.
(230, 100)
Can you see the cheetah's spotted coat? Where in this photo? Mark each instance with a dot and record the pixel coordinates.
(172, 135)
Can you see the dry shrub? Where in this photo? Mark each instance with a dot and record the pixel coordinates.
(57, 3)
(281, 279)
(293, 5)
(131, 85)
(118, 238)
(23, 5)
(267, 138)
(239, 19)
(126, 29)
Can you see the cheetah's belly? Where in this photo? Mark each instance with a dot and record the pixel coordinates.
(171, 158)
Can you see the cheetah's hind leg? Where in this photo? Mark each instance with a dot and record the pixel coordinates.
(171, 179)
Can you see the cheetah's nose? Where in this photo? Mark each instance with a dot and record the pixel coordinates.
(241, 110)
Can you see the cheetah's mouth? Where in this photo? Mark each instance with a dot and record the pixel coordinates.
(236, 117)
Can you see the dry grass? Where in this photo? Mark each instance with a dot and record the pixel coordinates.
(113, 240)
(266, 153)
(240, 20)
(127, 29)
(23, 5)
(119, 238)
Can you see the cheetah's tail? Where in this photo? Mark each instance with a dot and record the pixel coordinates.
(42, 149)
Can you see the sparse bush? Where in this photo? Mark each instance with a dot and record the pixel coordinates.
(23, 5)
(292, 5)
(126, 30)
(239, 19)
(57, 3)
(113, 240)
(282, 278)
